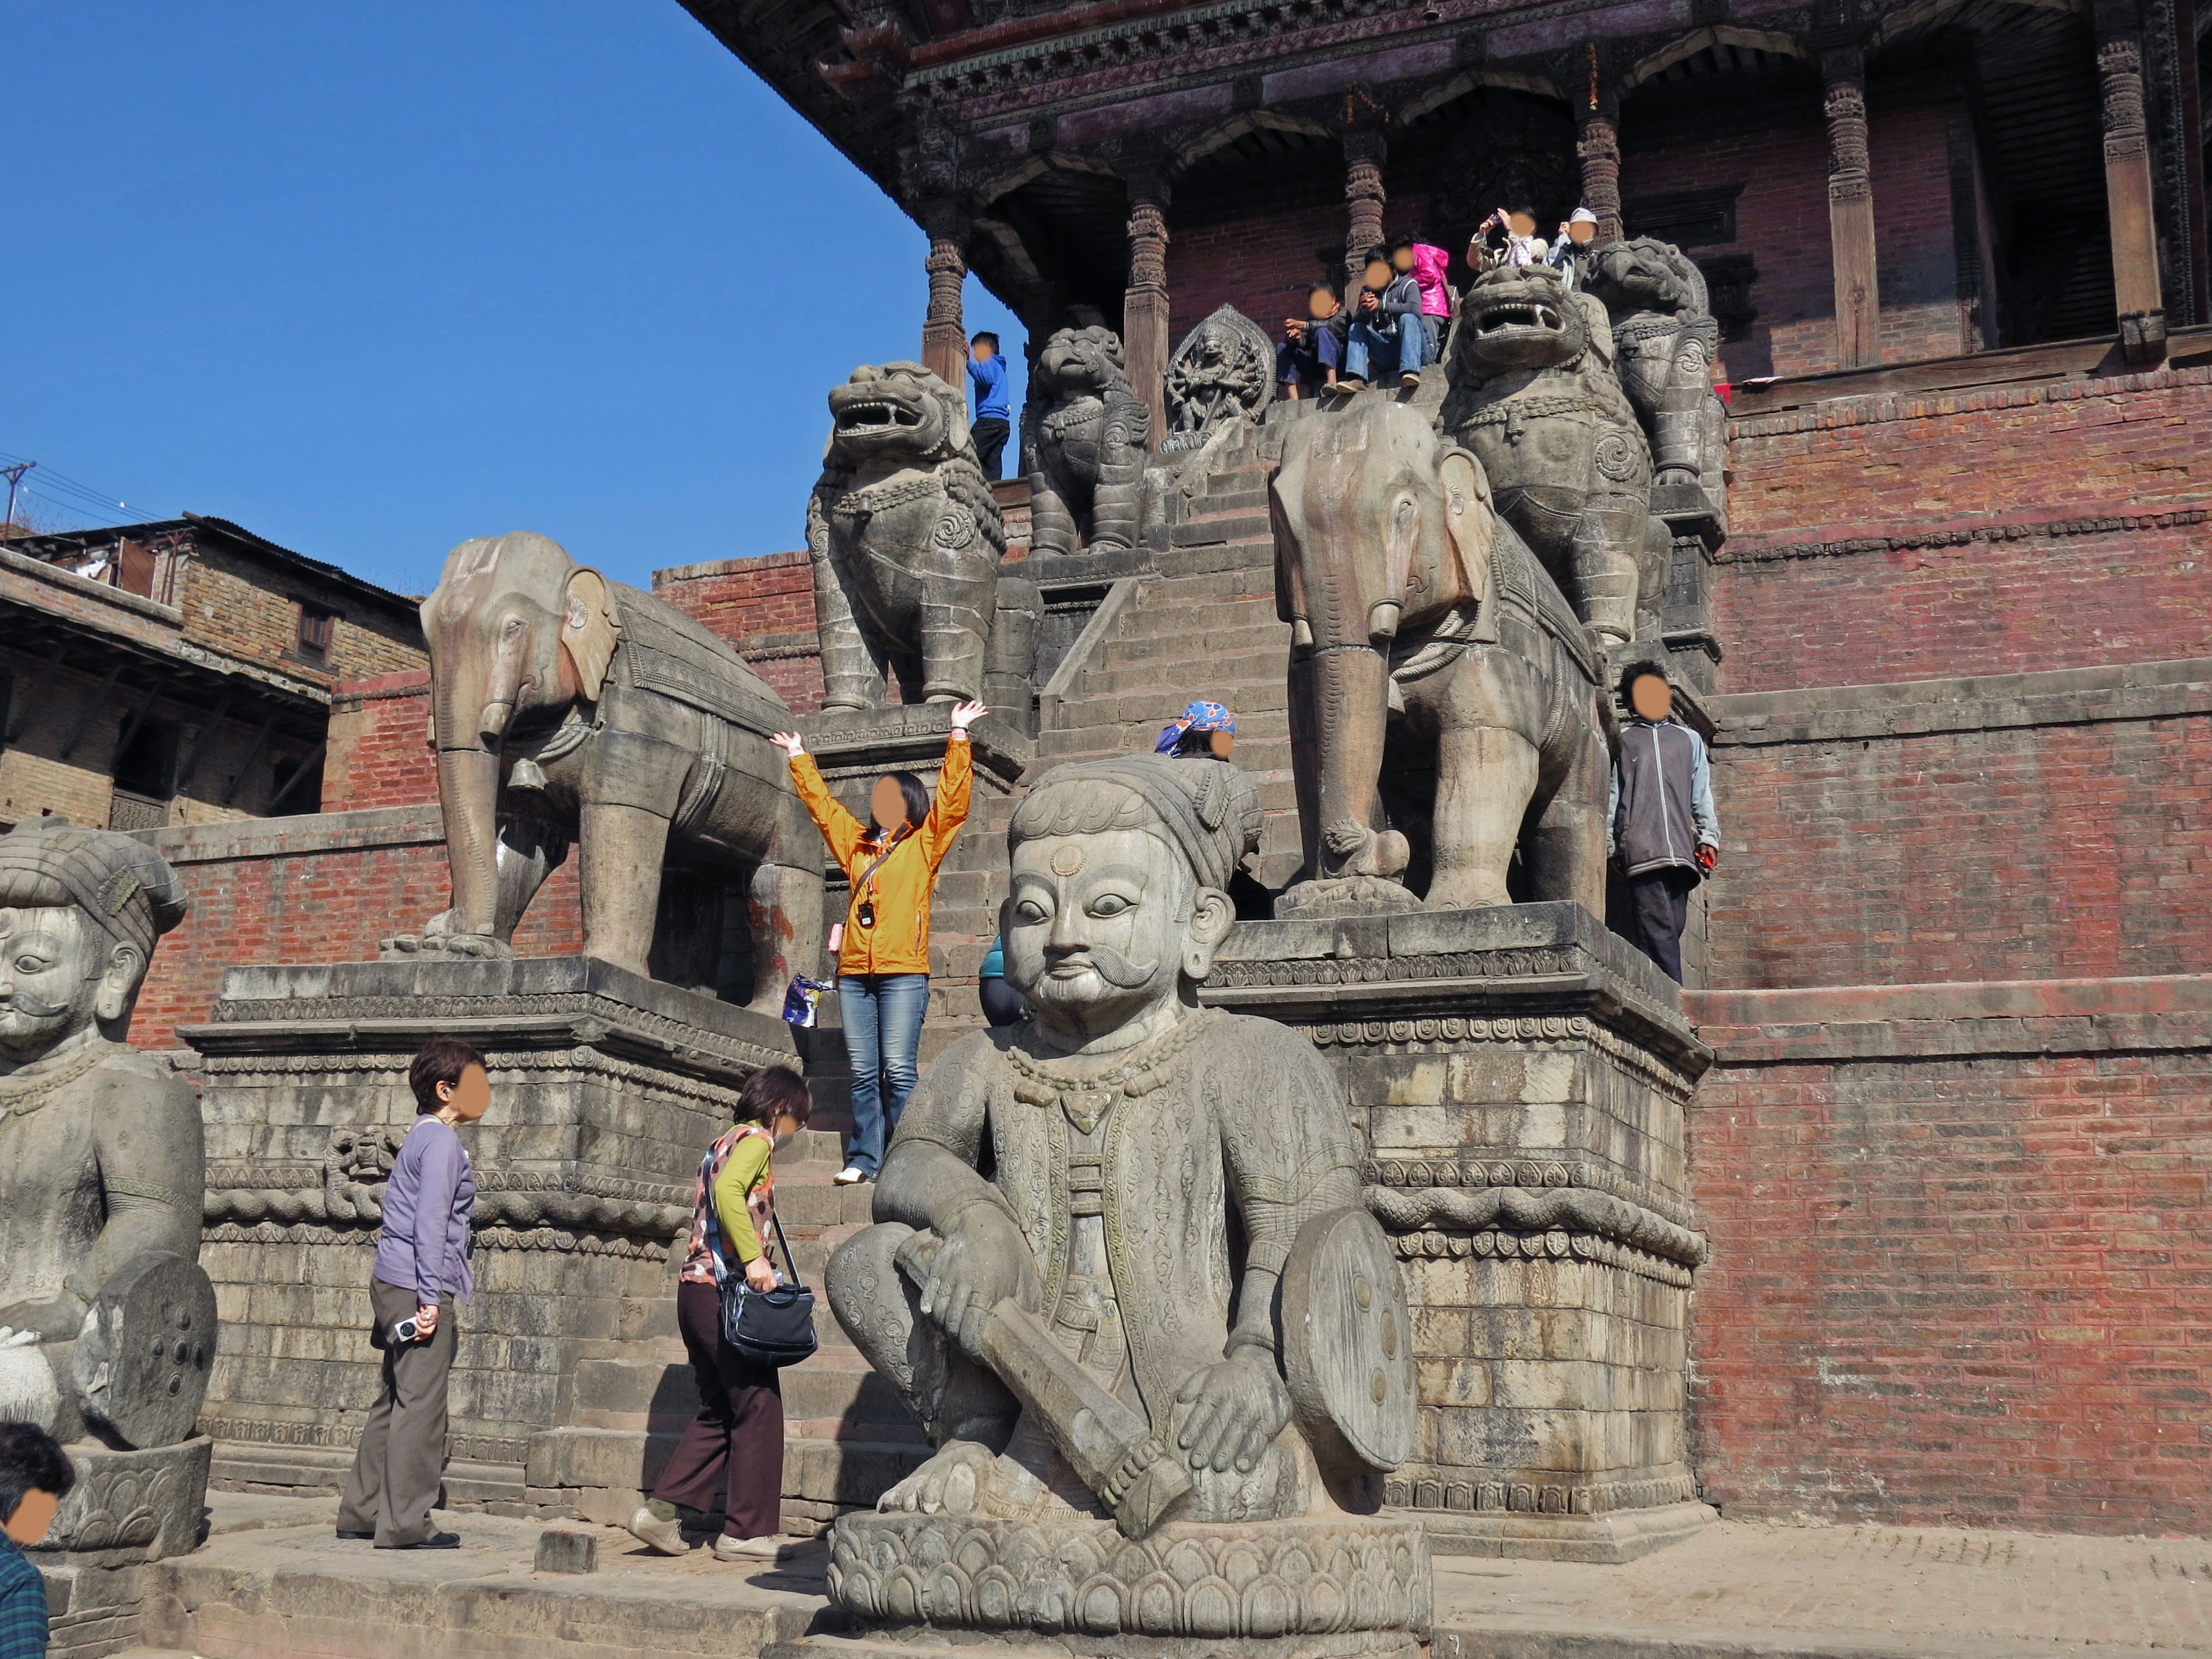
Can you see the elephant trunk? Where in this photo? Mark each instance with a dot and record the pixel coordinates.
(468, 790)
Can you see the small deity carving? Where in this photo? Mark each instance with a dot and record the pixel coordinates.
(102, 1175)
(1224, 367)
(1087, 434)
(1535, 397)
(1120, 1271)
(906, 537)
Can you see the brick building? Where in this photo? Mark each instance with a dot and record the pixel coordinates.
(178, 673)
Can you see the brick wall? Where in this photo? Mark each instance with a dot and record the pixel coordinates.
(1260, 263)
(1960, 1240)
(312, 890)
(242, 605)
(379, 753)
(763, 608)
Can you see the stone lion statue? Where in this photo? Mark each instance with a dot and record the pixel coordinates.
(1667, 338)
(906, 537)
(1225, 366)
(1088, 432)
(1534, 395)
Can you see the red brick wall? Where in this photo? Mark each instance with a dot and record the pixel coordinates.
(381, 753)
(1959, 1290)
(328, 893)
(762, 607)
(1781, 221)
(1261, 263)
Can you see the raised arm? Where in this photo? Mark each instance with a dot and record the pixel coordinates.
(955, 781)
(839, 828)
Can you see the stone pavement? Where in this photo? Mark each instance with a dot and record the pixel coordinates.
(273, 1583)
(1740, 1589)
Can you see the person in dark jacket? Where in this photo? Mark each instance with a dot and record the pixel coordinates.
(35, 1475)
(1385, 323)
(421, 1269)
(1660, 828)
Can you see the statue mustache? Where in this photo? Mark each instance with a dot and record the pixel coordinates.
(1116, 969)
(24, 1002)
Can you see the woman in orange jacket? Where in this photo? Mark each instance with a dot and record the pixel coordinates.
(882, 966)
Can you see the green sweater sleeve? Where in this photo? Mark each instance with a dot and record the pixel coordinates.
(747, 1164)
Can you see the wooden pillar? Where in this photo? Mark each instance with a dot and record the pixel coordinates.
(1850, 210)
(2127, 190)
(1598, 149)
(1364, 150)
(1144, 303)
(943, 336)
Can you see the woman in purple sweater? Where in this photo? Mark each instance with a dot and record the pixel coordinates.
(422, 1270)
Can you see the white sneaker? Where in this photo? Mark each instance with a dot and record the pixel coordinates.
(851, 1176)
(727, 1548)
(667, 1536)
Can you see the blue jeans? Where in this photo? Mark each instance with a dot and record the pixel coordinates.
(1407, 342)
(883, 1034)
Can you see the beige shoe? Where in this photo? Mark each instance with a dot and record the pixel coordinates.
(727, 1548)
(667, 1536)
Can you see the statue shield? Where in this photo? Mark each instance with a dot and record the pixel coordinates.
(1347, 1346)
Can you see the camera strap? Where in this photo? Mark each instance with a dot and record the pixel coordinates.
(860, 882)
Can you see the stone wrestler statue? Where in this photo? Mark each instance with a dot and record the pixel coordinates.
(100, 1171)
(1083, 1222)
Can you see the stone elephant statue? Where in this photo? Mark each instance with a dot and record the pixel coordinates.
(1411, 599)
(563, 706)
(1088, 434)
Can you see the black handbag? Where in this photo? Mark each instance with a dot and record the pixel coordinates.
(768, 1328)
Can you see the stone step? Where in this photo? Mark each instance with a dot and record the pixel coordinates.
(1224, 527)
(836, 1384)
(602, 1472)
(1254, 669)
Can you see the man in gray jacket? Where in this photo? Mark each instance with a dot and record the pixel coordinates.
(1662, 830)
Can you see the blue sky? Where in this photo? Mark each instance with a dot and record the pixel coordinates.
(373, 279)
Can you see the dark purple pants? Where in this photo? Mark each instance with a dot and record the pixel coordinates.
(734, 1450)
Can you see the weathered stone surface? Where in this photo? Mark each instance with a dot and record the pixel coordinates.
(605, 1086)
(1520, 1076)
(1086, 433)
(562, 1551)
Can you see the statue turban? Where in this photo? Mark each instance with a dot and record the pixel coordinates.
(1207, 810)
(125, 886)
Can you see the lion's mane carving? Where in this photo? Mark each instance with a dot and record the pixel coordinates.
(905, 535)
(1088, 434)
(1667, 338)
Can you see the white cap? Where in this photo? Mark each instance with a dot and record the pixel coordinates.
(1582, 216)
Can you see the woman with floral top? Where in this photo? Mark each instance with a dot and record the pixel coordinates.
(734, 1448)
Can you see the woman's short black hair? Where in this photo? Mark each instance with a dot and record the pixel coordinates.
(914, 793)
(30, 1460)
(772, 1092)
(441, 1060)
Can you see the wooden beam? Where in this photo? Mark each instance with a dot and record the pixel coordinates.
(1850, 210)
(252, 755)
(1144, 305)
(292, 781)
(2136, 294)
(190, 768)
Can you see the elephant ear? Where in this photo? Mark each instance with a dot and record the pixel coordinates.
(589, 630)
(1470, 522)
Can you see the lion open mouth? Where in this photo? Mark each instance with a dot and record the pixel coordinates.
(856, 419)
(1514, 315)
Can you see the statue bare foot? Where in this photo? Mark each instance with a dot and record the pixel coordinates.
(965, 1478)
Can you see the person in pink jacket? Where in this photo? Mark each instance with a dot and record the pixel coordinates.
(1427, 265)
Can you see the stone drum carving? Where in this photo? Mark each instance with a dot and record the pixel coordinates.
(1088, 434)
(564, 705)
(1224, 367)
(906, 536)
(107, 1324)
(1534, 395)
(1122, 1274)
(1411, 601)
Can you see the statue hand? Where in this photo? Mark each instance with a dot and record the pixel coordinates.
(57, 1321)
(1238, 1406)
(983, 1261)
(12, 1337)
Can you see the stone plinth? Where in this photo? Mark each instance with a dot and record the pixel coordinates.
(128, 1508)
(1519, 1075)
(1324, 1586)
(606, 1088)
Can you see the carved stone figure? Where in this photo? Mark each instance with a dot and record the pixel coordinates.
(1534, 395)
(1122, 1274)
(1410, 601)
(1089, 432)
(1665, 338)
(107, 1324)
(1224, 367)
(906, 537)
(564, 705)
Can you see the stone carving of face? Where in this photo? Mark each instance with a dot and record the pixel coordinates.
(1099, 928)
(58, 973)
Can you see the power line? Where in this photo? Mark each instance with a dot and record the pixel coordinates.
(14, 477)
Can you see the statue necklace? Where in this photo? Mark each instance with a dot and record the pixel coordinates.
(1085, 1098)
(20, 1096)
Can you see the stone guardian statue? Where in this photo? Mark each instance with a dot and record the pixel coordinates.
(1121, 1273)
(106, 1322)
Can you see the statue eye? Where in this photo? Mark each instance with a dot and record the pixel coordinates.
(1110, 904)
(1029, 911)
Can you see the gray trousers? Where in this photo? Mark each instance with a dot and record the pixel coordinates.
(402, 1460)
